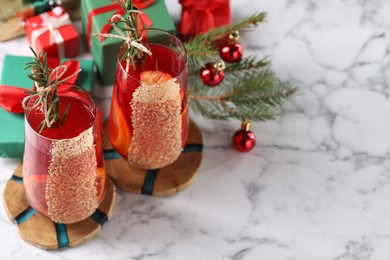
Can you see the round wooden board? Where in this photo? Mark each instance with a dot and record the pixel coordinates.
(39, 230)
(157, 182)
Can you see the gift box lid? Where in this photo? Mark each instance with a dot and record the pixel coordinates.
(12, 126)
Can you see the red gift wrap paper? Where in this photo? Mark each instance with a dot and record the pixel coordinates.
(199, 16)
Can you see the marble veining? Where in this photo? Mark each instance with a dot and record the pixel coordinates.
(317, 184)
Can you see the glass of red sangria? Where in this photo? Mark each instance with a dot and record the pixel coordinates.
(148, 122)
(63, 166)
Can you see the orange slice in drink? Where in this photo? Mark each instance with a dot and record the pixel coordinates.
(118, 129)
(155, 76)
(160, 77)
(184, 126)
(101, 182)
(35, 186)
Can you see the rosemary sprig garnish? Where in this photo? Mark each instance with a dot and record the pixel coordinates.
(128, 29)
(47, 93)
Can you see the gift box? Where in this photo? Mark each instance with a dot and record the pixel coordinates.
(13, 74)
(199, 16)
(54, 33)
(14, 12)
(95, 15)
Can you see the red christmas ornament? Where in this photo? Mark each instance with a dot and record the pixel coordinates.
(212, 74)
(233, 50)
(244, 140)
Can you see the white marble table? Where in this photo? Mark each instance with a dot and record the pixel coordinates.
(316, 186)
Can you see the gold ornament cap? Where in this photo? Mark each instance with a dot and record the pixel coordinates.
(234, 37)
(219, 66)
(246, 125)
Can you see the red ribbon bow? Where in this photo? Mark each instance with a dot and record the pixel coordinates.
(198, 16)
(11, 97)
(140, 4)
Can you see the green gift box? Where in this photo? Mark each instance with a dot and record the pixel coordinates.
(95, 15)
(12, 126)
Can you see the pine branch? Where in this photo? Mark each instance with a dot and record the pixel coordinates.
(201, 48)
(249, 63)
(200, 52)
(254, 95)
(221, 32)
(250, 90)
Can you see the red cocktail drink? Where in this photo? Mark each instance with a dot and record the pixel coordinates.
(63, 169)
(148, 121)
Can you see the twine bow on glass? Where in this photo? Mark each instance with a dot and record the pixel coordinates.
(42, 91)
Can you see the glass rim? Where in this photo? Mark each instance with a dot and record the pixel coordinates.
(93, 110)
(165, 33)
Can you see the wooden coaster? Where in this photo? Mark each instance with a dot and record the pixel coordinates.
(157, 182)
(39, 230)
